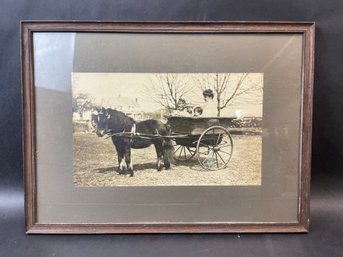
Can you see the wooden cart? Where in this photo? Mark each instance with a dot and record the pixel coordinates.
(206, 138)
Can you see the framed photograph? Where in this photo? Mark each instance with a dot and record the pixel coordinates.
(167, 127)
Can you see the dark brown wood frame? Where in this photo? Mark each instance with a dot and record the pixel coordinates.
(29, 27)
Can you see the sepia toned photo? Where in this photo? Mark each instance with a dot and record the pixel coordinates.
(167, 129)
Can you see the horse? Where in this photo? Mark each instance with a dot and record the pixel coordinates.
(113, 123)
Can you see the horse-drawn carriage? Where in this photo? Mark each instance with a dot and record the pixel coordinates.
(207, 138)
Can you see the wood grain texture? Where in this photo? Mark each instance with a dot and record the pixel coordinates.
(165, 228)
(306, 129)
(28, 126)
(27, 29)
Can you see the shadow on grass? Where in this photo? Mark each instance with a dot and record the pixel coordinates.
(144, 166)
(136, 167)
(104, 170)
(191, 164)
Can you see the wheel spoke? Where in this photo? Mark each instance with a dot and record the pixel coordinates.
(190, 151)
(218, 139)
(183, 153)
(225, 145)
(224, 152)
(212, 140)
(216, 159)
(178, 148)
(203, 144)
(180, 152)
(212, 159)
(221, 157)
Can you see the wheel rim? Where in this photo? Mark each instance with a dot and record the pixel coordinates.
(214, 148)
(184, 153)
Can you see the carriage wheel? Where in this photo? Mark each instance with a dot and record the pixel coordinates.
(214, 148)
(183, 153)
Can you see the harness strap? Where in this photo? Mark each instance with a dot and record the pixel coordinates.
(133, 129)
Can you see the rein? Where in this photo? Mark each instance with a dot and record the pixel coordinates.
(133, 134)
(142, 135)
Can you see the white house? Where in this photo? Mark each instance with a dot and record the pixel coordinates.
(126, 105)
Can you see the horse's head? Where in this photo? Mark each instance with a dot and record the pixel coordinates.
(100, 121)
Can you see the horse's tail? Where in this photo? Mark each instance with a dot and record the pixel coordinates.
(168, 149)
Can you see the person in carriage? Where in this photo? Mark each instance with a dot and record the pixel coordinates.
(183, 109)
(209, 108)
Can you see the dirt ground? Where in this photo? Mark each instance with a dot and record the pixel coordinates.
(95, 164)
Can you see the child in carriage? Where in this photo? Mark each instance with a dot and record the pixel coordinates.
(183, 111)
(208, 109)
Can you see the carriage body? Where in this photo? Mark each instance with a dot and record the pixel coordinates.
(207, 138)
(203, 137)
(195, 126)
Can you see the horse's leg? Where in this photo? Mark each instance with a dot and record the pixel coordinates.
(159, 153)
(128, 159)
(121, 161)
(120, 152)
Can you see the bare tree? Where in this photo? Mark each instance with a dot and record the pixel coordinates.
(229, 87)
(169, 90)
(82, 102)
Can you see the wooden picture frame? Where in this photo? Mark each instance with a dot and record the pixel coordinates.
(41, 210)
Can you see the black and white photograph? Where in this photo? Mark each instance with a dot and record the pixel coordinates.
(171, 128)
(166, 129)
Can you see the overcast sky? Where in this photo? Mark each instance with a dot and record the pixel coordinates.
(108, 86)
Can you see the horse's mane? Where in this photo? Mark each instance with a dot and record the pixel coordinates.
(119, 120)
(119, 114)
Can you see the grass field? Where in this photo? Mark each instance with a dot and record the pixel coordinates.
(95, 164)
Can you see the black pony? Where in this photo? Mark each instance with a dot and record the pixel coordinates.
(111, 122)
